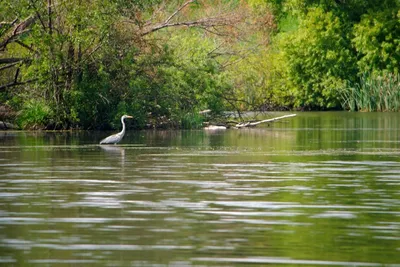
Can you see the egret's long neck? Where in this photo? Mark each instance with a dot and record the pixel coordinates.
(123, 126)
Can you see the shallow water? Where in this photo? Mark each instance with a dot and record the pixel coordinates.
(319, 189)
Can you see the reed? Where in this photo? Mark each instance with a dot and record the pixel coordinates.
(191, 120)
(373, 93)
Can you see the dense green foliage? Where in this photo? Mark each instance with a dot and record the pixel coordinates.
(333, 45)
(318, 59)
(377, 39)
(82, 64)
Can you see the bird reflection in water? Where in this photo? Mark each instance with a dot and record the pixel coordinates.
(114, 139)
(114, 152)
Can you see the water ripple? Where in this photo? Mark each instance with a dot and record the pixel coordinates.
(276, 260)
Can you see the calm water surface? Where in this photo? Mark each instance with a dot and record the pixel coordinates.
(319, 189)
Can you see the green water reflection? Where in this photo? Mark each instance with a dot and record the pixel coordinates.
(317, 189)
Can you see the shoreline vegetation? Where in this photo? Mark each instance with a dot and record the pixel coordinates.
(68, 64)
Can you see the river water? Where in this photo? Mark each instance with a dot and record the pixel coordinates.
(319, 189)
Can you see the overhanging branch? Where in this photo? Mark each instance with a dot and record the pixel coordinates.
(178, 10)
(8, 66)
(205, 23)
(10, 60)
(19, 29)
(15, 83)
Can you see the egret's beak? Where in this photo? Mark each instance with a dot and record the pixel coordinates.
(129, 117)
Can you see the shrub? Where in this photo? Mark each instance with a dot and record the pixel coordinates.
(35, 114)
(377, 40)
(317, 60)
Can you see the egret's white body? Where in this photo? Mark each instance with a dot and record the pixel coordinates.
(116, 138)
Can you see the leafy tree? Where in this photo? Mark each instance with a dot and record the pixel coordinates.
(351, 9)
(377, 41)
(318, 59)
(91, 61)
(64, 37)
(83, 63)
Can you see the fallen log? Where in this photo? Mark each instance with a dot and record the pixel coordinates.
(245, 124)
(252, 124)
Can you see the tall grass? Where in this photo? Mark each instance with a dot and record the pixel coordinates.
(191, 121)
(35, 114)
(373, 93)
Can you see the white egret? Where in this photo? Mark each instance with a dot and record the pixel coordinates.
(116, 138)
